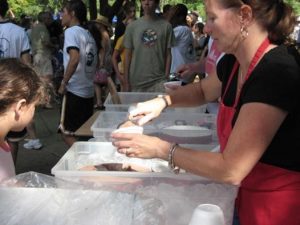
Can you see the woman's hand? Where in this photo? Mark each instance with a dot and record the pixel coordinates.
(187, 70)
(146, 111)
(141, 146)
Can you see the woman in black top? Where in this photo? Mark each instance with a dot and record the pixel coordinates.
(258, 84)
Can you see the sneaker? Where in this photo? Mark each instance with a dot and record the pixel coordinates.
(33, 144)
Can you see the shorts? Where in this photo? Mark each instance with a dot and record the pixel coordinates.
(15, 136)
(78, 110)
(42, 65)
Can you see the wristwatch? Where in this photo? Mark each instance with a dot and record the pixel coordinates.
(163, 97)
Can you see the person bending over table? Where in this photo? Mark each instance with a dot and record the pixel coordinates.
(258, 123)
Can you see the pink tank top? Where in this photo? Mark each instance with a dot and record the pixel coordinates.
(7, 167)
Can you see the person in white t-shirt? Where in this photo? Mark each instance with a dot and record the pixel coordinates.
(80, 61)
(21, 89)
(14, 43)
(183, 51)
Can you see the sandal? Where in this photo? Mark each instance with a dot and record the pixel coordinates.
(99, 107)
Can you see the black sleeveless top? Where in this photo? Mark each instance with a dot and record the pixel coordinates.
(274, 81)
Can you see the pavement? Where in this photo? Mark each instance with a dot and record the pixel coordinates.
(42, 160)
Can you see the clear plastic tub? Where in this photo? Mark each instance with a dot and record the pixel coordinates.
(179, 194)
(187, 128)
(83, 154)
(129, 98)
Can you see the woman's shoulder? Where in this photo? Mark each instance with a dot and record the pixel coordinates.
(282, 61)
(283, 55)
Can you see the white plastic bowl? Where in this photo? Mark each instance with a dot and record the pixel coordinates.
(172, 85)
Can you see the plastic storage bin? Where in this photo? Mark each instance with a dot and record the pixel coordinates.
(129, 98)
(170, 189)
(81, 155)
(187, 128)
(51, 201)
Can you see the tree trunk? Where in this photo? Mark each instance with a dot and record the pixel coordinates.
(104, 7)
(93, 9)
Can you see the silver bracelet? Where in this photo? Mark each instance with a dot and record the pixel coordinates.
(171, 163)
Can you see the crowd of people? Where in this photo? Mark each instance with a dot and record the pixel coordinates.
(250, 76)
(168, 40)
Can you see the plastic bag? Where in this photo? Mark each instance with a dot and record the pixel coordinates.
(58, 202)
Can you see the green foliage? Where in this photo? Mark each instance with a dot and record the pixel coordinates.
(197, 5)
(33, 7)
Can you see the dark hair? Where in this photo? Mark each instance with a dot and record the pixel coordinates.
(128, 6)
(177, 15)
(93, 29)
(166, 8)
(155, 1)
(200, 26)
(18, 81)
(276, 16)
(3, 7)
(125, 10)
(79, 9)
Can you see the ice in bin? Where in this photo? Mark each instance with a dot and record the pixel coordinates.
(102, 159)
(26, 204)
(129, 98)
(179, 194)
(187, 128)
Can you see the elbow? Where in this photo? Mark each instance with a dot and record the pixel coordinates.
(233, 181)
(231, 177)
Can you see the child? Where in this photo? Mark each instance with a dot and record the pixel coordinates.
(119, 52)
(21, 89)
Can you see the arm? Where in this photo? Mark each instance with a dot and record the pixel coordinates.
(128, 57)
(26, 58)
(104, 43)
(254, 130)
(114, 60)
(208, 89)
(71, 68)
(168, 62)
(115, 56)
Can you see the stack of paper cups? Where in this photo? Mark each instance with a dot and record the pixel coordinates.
(207, 214)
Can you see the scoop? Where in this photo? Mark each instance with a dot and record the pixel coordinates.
(174, 77)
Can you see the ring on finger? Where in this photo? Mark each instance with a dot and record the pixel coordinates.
(128, 151)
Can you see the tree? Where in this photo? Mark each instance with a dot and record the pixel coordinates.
(107, 7)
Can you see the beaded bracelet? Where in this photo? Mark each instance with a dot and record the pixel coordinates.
(171, 163)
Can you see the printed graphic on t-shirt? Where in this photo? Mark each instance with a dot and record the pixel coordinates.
(189, 54)
(149, 37)
(4, 46)
(90, 59)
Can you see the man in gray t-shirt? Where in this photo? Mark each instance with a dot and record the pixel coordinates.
(147, 43)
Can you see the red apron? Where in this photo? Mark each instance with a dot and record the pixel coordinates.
(269, 195)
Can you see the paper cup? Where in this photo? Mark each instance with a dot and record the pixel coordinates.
(207, 214)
